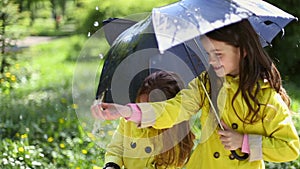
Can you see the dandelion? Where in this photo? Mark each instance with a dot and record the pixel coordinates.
(24, 136)
(74, 106)
(7, 74)
(63, 100)
(77, 168)
(61, 121)
(17, 66)
(84, 151)
(50, 139)
(21, 149)
(110, 132)
(91, 136)
(62, 145)
(43, 120)
(13, 78)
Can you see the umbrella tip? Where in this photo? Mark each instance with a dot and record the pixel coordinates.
(161, 51)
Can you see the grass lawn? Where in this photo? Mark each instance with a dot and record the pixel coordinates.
(39, 124)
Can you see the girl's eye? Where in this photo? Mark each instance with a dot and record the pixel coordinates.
(219, 55)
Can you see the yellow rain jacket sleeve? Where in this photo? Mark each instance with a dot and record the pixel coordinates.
(278, 140)
(186, 103)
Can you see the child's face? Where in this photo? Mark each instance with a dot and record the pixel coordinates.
(223, 58)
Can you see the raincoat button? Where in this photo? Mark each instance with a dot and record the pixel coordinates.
(234, 126)
(231, 157)
(133, 145)
(148, 149)
(216, 154)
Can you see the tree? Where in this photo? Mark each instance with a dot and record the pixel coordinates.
(286, 47)
(10, 30)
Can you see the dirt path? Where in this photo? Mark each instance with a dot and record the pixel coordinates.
(33, 40)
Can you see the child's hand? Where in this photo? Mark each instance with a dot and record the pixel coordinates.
(110, 111)
(231, 139)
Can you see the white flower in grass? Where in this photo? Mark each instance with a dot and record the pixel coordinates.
(36, 163)
(4, 161)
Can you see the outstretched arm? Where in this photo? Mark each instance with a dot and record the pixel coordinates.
(110, 111)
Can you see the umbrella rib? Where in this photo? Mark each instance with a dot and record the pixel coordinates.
(211, 103)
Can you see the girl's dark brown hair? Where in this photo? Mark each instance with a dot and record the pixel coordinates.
(254, 66)
(169, 84)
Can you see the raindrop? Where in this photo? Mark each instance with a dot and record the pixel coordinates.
(89, 34)
(101, 56)
(297, 46)
(175, 21)
(21, 117)
(178, 27)
(96, 23)
(97, 8)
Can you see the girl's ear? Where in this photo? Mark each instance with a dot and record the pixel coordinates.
(244, 52)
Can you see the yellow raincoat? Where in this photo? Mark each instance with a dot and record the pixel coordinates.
(134, 148)
(273, 138)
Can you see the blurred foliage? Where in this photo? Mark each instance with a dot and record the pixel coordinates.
(38, 124)
(91, 21)
(12, 27)
(286, 46)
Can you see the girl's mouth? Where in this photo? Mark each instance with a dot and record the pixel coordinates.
(217, 67)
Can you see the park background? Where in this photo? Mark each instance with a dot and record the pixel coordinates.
(38, 123)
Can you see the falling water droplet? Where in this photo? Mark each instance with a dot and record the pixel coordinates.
(89, 34)
(96, 23)
(175, 21)
(101, 56)
(178, 27)
(97, 8)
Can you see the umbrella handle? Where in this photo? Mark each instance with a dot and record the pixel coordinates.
(241, 158)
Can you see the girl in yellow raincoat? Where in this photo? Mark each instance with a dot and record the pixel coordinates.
(254, 107)
(149, 148)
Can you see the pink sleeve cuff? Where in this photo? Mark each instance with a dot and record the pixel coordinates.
(245, 146)
(136, 115)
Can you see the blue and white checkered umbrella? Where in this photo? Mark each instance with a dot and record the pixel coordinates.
(187, 19)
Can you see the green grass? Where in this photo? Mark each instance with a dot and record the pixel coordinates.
(39, 126)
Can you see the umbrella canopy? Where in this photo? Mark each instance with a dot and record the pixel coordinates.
(134, 55)
(184, 20)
